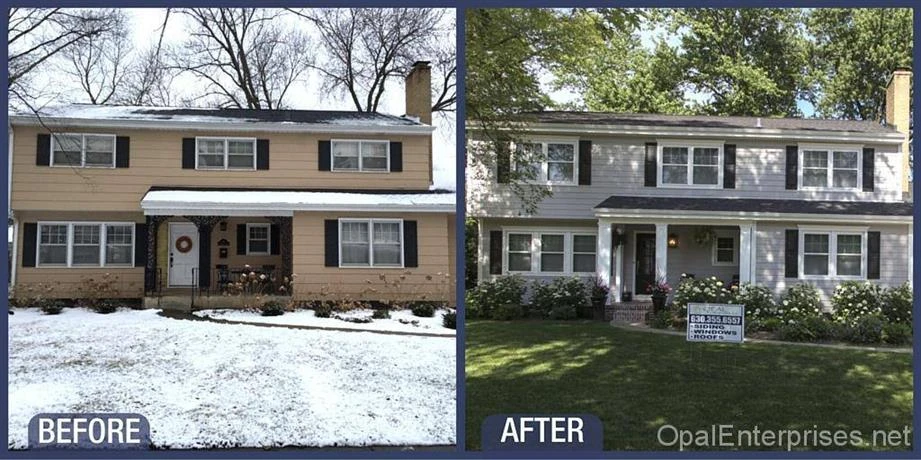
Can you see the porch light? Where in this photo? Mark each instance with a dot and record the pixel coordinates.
(672, 240)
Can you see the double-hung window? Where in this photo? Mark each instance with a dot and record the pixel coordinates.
(833, 254)
(258, 239)
(724, 250)
(690, 165)
(836, 168)
(225, 153)
(83, 150)
(371, 243)
(552, 162)
(549, 252)
(85, 244)
(366, 156)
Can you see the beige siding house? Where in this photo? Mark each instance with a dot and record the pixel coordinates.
(178, 200)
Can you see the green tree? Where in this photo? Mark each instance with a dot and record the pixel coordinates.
(854, 53)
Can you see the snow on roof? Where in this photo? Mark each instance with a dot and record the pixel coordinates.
(257, 202)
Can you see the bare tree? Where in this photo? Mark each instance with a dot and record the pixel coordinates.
(365, 47)
(247, 57)
(100, 63)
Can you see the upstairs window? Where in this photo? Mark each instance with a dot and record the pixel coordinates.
(690, 165)
(830, 168)
(370, 156)
(547, 162)
(225, 153)
(83, 150)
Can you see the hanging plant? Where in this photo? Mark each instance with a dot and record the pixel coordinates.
(704, 236)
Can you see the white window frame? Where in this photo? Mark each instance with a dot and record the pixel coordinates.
(690, 146)
(829, 150)
(226, 166)
(70, 244)
(268, 239)
(540, 251)
(832, 233)
(715, 250)
(54, 139)
(370, 223)
(536, 234)
(573, 253)
(361, 162)
(544, 177)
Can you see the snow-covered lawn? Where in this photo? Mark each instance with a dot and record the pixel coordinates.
(399, 321)
(205, 384)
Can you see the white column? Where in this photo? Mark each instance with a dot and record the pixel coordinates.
(661, 251)
(618, 272)
(745, 253)
(603, 253)
(482, 252)
(911, 256)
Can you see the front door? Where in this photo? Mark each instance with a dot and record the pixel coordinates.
(645, 261)
(183, 253)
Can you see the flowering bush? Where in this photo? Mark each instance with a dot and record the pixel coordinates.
(799, 302)
(489, 295)
(758, 300)
(897, 303)
(559, 299)
(703, 290)
(660, 287)
(865, 330)
(854, 300)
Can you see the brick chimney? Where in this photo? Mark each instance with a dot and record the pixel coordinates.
(898, 115)
(419, 92)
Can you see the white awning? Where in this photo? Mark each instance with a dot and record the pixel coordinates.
(285, 203)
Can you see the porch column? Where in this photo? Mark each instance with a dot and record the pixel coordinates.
(661, 252)
(205, 224)
(619, 268)
(285, 232)
(745, 253)
(603, 254)
(482, 249)
(911, 256)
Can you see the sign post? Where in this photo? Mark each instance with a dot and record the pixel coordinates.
(716, 322)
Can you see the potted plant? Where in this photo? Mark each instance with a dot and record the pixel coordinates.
(599, 294)
(659, 291)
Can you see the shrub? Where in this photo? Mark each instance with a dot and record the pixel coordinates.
(853, 300)
(560, 298)
(381, 313)
(660, 320)
(272, 308)
(51, 306)
(95, 291)
(598, 291)
(800, 301)
(323, 309)
(795, 332)
(508, 312)
(449, 320)
(702, 290)
(897, 333)
(104, 306)
(488, 296)
(423, 309)
(823, 329)
(758, 301)
(771, 324)
(865, 330)
(897, 303)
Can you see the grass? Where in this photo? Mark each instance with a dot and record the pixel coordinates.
(636, 382)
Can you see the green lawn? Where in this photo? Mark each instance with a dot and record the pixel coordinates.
(638, 381)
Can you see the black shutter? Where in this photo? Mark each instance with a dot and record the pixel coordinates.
(791, 259)
(729, 166)
(503, 162)
(140, 245)
(262, 154)
(276, 240)
(873, 255)
(29, 240)
(651, 164)
(332, 242)
(43, 151)
(410, 244)
(188, 153)
(396, 156)
(122, 151)
(585, 162)
(792, 166)
(869, 160)
(495, 252)
(324, 150)
(241, 239)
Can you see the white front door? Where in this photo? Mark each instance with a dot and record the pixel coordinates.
(183, 253)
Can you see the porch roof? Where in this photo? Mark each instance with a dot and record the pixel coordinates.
(285, 203)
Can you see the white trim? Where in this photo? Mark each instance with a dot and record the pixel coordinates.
(829, 150)
(735, 250)
(226, 140)
(544, 178)
(268, 238)
(70, 243)
(689, 145)
(630, 216)
(832, 233)
(54, 137)
(535, 249)
(360, 142)
(371, 223)
(15, 252)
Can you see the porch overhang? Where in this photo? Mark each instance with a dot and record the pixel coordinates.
(181, 202)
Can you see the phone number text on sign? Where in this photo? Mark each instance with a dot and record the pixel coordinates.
(716, 322)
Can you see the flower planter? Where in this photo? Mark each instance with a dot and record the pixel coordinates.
(658, 302)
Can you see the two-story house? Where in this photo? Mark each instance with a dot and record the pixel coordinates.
(638, 197)
(170, 199)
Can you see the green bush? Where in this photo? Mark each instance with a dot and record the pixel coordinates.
(865, 330)
(449, 320)
(897, 333)
(897, 304)
(799, 302)
(758, 300)
(104, 306)
(698, 290)
(423, 309)
(508, 312)
(854, 300)
(381, 313)
(771, 324)
(660, 320)
(323, 308)
(823, 329)
(272, 308)
(51, 306)
(795, 332)
(487, 296)
(559, 299)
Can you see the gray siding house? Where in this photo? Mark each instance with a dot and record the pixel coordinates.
(771, 201)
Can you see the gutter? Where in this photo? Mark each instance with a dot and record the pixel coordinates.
(169, 209)
(682, 216)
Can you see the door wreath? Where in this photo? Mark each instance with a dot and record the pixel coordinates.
(183, 244)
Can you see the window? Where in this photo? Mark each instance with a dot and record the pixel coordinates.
(360, 155)
(371, 243)
(549, 252)
(80, 244)
(832, 254)
(831, 168)
(225, 153)
(83, 150)
(691, 165)
(724, 250)
(258, 240)
(550, 162)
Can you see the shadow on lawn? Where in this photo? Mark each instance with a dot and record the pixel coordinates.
(636, 382)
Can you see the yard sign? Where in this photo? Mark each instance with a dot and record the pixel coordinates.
(716, 322)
